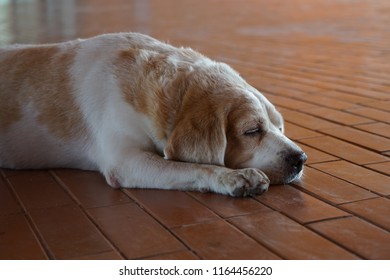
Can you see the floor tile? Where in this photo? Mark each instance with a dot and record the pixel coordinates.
(218, 240)
(362, 91)
(344, 150)
(330, 188)
(182, 255)
(359, 137)
(298, 86)
(277, 88)
(17, 241)
(381, 105)
(298, 205)
(288, 238)
(334, 83)
(286, 102)
(373, 210)
(353, 98)
(383, 167)
(109, 255)
(133, 231)
(358, 175)
(13, 172)
(307, 121)
(295, 132)
(315, 156)
(328, 101)
(182, 210)
(372, 113)
(361, 237)
(336, 116)
(226, 207)
(90, 188)
(378, 128)
(68, 232)
(38, 189)
(8, 203)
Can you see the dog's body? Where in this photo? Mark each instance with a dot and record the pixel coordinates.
(144, 113)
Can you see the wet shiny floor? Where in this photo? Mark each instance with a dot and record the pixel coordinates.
(323, 63)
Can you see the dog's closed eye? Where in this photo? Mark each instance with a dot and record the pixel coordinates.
(253, 131)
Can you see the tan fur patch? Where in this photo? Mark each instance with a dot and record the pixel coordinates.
(39, 75)
(199, 134)
(140, 82)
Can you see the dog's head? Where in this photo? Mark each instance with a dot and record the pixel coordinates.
(224, 121)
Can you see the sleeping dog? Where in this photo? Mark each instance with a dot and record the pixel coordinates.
(143, 113)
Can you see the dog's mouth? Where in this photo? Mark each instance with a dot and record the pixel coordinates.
(285, 178)
(294, 177)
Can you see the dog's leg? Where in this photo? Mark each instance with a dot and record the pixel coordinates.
(149, 170)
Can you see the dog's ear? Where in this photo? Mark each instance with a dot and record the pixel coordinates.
(199, 135)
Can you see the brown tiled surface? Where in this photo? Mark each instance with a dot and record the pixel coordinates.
(358, 175)
(184, 209)
(359, 236)
(383, 167)
(18, 241)
(344, 150)
(221, 240)
(322, 63)
(67, 232)
(298, 205)
(372, 209)
(133, 231)
(377, 128)
(362, 138)
(288, 238)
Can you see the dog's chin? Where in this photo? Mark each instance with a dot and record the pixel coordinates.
(296, 177)
(282, 179)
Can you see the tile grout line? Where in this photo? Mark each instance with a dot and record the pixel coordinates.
(237, 228)
(34, 229)
(375, 170)
(322, 119)
(354, 143)
(305, 225)
(167, 254)
(313, 194)
(323, 85)
(309, 102)
(357, 127)
(304, 190)
(369, 120)
(334, 241)
(275, 69)
(340, 158)
(328, 219)
(150, 213)
(374, 192)
(313, 231)
(85, 211)
(308, 66)
(357, 215)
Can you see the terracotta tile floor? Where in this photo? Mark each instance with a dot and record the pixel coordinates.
(323, 63)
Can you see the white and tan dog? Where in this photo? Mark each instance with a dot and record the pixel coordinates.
(144, 113)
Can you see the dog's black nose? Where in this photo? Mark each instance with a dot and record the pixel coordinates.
(297, 160)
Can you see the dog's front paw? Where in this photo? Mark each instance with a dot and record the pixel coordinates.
(244, 182)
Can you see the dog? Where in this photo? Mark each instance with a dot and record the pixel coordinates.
(142, 112)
